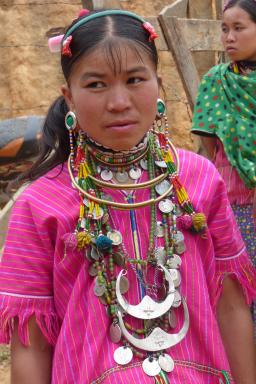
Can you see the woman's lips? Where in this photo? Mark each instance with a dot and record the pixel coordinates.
(121, 126)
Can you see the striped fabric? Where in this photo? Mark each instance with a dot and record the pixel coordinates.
(38, 277)
(238, 193)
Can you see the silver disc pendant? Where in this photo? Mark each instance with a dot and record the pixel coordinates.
(176, 277)
(115, 333)
(93, 271)
(123, 355)
(160, 255)
(106, 175)
(94, 254)
(172, 319)
(161, 163)
(115, 236)
(159, 232)
(166, 362)
(162, 187)
(174, 261)
(144, 164)
(97, 215)
(99, 290)
(122, 177)
(135, 173)
(166, 206)
(151, 367)
(124, 285)
(177, 299)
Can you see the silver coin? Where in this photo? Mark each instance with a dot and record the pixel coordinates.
(178, 210)
(151, 367)
(176, 277)
(98, 169)
(99, 290)
(177, 299)
(166, 362)
(161, 163)
(122, 177)
(159, 232)
(106, 175)
(178, 237)
(115, 333)
(172, 318)
(124, 285)
(162, 187)
(123, 355)
(181, 248)
(166, 206)
(144, 164)
(174, 261)
(93, 270)
(135, 173)
(83, 223)
(115, 236)
(94, 254)
(97, 215)
(160, 255)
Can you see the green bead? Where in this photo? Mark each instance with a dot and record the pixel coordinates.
(70, 121)
(160, 106)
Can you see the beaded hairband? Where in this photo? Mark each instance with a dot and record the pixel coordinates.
(62, 42)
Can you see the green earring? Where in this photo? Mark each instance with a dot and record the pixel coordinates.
(70, 121)
(160, 107)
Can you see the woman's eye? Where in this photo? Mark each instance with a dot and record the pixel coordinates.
(224, 29)
(239, 28)
(135, 80)
(95, 84)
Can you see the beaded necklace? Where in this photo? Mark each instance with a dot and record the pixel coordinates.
(104, 248)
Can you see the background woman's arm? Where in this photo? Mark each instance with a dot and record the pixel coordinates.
(210, 144)
(32, 364)
(236, 328)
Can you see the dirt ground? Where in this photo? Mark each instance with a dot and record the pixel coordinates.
(4, 365)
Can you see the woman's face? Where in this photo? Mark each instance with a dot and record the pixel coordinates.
(239, 34)
(114, 107)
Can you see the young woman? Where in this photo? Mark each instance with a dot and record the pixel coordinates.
(123, 263)
(225, 115)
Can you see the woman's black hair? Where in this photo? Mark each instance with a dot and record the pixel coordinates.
(248, 6)
(108, 32)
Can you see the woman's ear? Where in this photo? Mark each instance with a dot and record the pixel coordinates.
(66, 93)
(160, 81)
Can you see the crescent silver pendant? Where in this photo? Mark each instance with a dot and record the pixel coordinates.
(158, 340)
(147, 309)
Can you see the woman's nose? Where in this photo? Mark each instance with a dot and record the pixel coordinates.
(118, 99)
(230, 36)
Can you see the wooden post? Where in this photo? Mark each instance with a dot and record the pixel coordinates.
(199, 9)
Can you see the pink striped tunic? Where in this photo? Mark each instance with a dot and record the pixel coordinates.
(238, 193)
(37, 277)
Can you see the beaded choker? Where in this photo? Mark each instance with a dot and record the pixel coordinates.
(157, 272)
(243, 67)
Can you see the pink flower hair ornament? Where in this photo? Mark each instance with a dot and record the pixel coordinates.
(57, 44)
(151, 30)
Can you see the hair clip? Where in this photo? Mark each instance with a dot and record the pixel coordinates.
(54, 43)
(83, 12)
(66, 51)
(151, 30)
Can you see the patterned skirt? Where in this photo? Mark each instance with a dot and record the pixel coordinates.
(244, 218)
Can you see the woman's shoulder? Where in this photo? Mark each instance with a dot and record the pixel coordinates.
(193, 165)
(53, 186)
